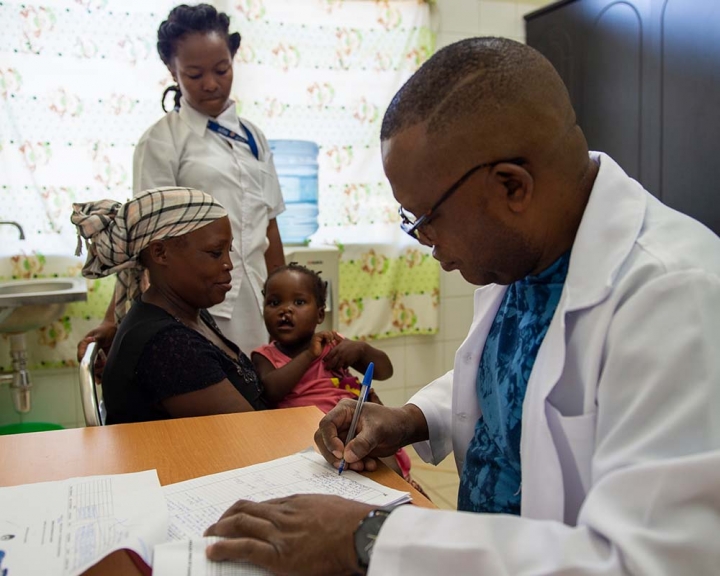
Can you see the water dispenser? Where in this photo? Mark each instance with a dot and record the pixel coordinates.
(296, 162)
(326, 260)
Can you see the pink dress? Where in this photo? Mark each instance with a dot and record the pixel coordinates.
(322, 388)
(319, 386)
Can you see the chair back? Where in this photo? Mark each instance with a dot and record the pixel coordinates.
(90, 388)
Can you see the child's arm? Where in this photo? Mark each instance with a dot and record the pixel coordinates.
(278, 382)
(358, 355)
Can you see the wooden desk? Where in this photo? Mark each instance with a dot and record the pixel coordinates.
(178, 449)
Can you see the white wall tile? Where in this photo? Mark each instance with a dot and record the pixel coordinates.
(499, 19)
(524, 8)
(443, 39)
(395, 349)
(537, 4)
(80, 422)
(53, 397)
(423, 364)
(413, 389)
(457, 16)
(392, 397)
(7, 411)
(422, 340)
(455, 317)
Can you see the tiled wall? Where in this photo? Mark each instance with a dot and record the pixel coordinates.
(457, 19)
(417, 359)
(55, 398)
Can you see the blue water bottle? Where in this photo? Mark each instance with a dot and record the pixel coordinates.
(297, 167)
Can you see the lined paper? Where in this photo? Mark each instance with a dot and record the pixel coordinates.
(187, 557)
(195, 504)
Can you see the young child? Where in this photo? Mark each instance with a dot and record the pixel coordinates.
(301, 367)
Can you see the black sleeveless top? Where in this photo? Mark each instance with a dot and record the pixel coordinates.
(154, 357)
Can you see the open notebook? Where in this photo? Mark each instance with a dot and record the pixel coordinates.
(67, 526)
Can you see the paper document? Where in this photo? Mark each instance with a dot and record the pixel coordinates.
(195, 504)
(188, 557)
(65, 527)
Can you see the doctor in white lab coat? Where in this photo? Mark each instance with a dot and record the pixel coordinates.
(620, 442)
(620, 448)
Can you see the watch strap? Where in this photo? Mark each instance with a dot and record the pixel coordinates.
(366, 532)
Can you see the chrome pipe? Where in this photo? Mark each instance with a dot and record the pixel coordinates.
(20, 229)
(20, 384)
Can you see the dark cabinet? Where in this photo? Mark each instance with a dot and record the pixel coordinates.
(644, 77)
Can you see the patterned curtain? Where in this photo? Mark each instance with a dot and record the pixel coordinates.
(80, 81)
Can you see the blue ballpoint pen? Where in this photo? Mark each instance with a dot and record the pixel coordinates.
(364, 391)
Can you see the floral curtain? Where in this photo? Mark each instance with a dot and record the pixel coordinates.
(80, 81)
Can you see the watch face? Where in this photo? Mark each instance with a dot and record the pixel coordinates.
(366, 534)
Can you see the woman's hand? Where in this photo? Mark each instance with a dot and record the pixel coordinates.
(103, 334)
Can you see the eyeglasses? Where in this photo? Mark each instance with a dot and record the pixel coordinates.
(412, 226)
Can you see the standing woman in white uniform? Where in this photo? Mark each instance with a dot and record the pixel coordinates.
(203, 144)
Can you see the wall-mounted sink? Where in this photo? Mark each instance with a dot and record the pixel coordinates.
(30, 304)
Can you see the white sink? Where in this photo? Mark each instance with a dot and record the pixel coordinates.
(30, 304)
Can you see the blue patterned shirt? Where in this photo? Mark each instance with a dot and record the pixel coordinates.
(491, 477)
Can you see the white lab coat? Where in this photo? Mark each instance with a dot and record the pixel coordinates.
(620, 443)
(179, 150)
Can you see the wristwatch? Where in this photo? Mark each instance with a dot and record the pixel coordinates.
(367, 532)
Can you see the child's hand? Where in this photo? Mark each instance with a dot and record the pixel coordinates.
(373, 397)
(344, 353)
(319, 340)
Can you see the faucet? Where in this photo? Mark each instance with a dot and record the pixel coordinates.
(22, 233)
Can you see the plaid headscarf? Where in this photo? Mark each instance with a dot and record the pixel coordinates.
(116, 233)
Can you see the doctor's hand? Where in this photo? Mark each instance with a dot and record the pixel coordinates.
(301, 534)
(380, 432)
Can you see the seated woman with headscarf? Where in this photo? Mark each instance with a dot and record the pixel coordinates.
(169, 358)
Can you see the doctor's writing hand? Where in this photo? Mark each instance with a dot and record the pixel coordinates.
(302, 534)
(380, 432)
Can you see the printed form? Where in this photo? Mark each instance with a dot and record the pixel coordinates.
(195, 504)
(65, 527)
